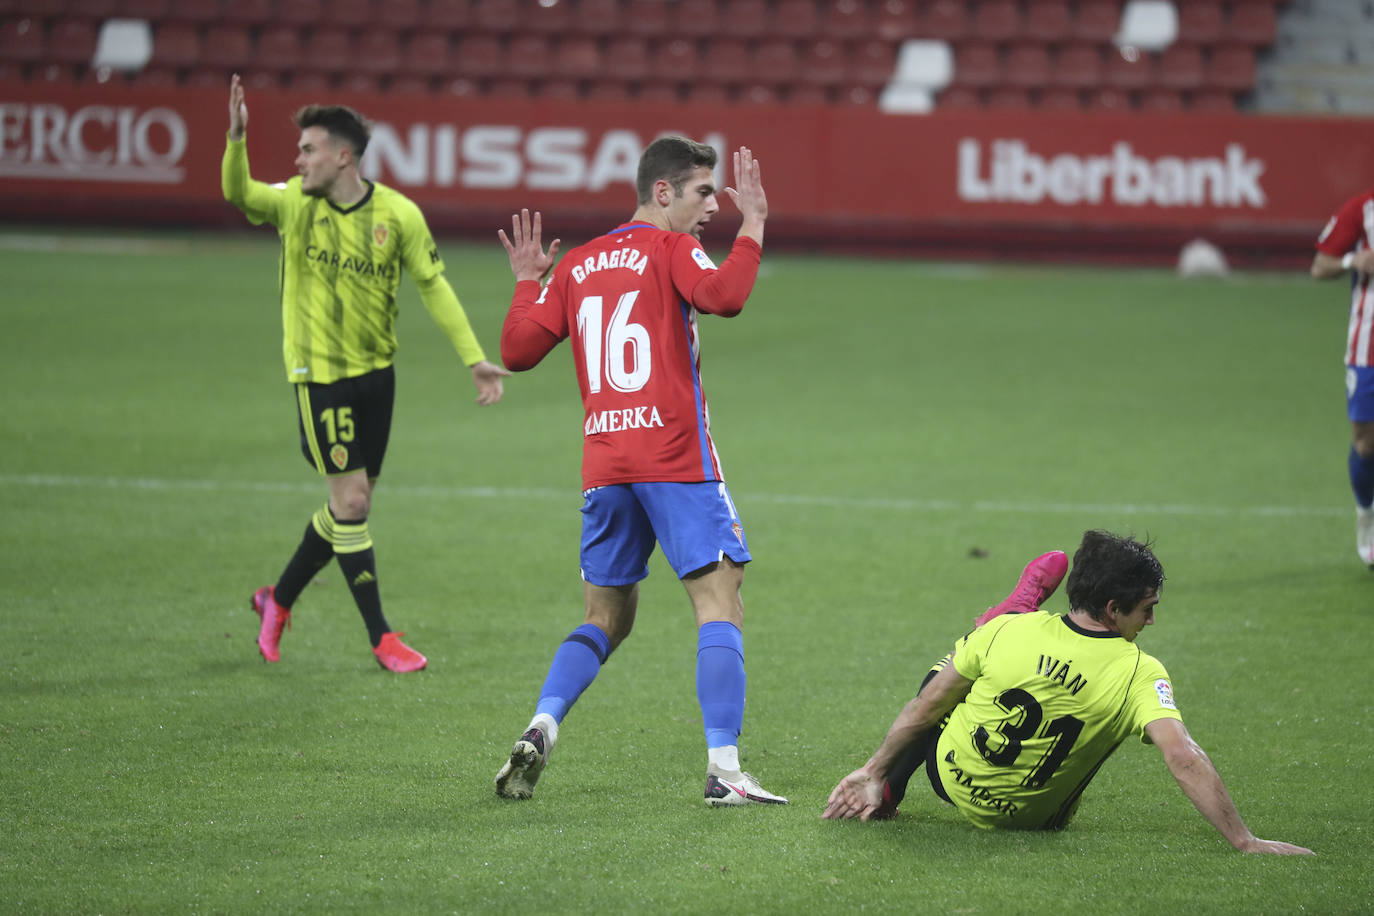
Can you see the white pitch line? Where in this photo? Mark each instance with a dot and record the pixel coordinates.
(571, 494)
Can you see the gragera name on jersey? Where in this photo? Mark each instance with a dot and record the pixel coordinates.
(627, 258)
(358, 266)
(978, 795)
(616, 421)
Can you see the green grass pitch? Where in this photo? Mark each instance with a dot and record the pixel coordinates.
(899, 438)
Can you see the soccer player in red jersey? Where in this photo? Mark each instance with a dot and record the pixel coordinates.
(628, 302)
(1344, 248)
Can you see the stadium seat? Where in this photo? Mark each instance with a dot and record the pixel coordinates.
(824, 63)
(1096, 20)
(496, 17)
(426, 54)
(665, 94)
(608, 90)
(946, 20)
(599, 17)
(745, 18)
(1109, 99)
(299, 13)
(91, 9)
(1231, 67)
(23, 41)
(148, 10)
(645, 17)
(1252, 22)
(247, 12)
(1047, 20)
(278, 49)
(1213, 101)
(531, 56)
(446, 15)
(410, 84)
(996, 20)
(1007, 97)
(378, 53)
(773, 62)
(959, 97)
(356, 82)
(1201, 21)
(627, 58)
(706, 93)
(1026, 65)
(677, 61)
(1126, 71)
(1077, 66)
(551, 17)
(872, 64)
(123, 46)
(557, 89)
(197, 11)
(177, 44)
(356, 14)
(758, 94)
(897, 20)
(1180, 67)
(797, 19)
(577, 57)
(225, 47)
(693, 19)
(71, 42)
(977, 65)
(328, 50)
(725, 61)
(846, 20)
(311, 81)
(808, 94)
(507, 88)
(1161, 99)
(1053, 99)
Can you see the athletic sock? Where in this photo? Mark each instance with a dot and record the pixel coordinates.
(575, 665)
(720, 682)
(353, 546)
(312, 555)
(1362, 478)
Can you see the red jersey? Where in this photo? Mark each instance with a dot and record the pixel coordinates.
(1351, 229)
(629, 302)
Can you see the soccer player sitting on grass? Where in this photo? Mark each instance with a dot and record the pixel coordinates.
(345, 241)
(1016, 721)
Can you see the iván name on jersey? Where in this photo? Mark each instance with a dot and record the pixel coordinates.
(615, 421)
(1058, 671)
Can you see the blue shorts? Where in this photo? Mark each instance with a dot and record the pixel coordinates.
(1359, 393)
(695, 524)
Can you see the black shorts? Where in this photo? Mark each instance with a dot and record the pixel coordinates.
(345, 425)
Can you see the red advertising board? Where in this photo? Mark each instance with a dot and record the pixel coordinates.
(1076, 186)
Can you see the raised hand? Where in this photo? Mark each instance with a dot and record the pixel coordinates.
(528, 260)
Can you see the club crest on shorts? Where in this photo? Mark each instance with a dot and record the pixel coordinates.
(379, 233)
(339, 455)
(739, 533)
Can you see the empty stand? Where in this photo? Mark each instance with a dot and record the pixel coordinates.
(353, 14)
(1201, 21)
(427, 54)
(824, 64)
(23, 41)
(176, 45)
(978, 65)
(1161, 99)
(498, 17)
(1027, 65)
(1047, 20)
(552, 17)
(1077, 66)
(645, 17)
(577, 57)
(997, 20)
(299, 13)
(872, 64)
(328, 51)
(278, 49)
(447, 15)
(225, 47)
(745, 18)
(1231, 68)
(378, 53)
(693, 19)
(897, 20)
(197, 11)
(1127, 71)
(247, 12)
(1181, 67)
(71, 43)
(726, 61)
(1252, 22)
(599, 17)
(1096, 20)
(774, 62)
(946, 20)
(846, 20)
(627, 58)
(796, 19)
(531, 56)
(676, 60)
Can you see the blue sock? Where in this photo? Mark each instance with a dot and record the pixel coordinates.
(720, 681)
(1362, 478)
(575, 665)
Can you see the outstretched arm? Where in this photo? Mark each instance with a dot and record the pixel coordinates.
(861, 792)
(443, 304)
(1202, 784)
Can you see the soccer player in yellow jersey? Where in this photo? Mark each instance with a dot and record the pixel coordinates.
(1014, 724)
(345, 241)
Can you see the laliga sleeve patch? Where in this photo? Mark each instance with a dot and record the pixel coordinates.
(1166, 694)
(703, 261)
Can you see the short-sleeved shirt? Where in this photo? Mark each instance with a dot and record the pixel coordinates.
(1050, 702)
(340, 270)
(624, 300)
(1351, 229)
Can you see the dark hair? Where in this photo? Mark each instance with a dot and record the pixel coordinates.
(671, 159)
(340, 122)
(1108, 567)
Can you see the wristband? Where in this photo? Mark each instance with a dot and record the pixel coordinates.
(1348, 261)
